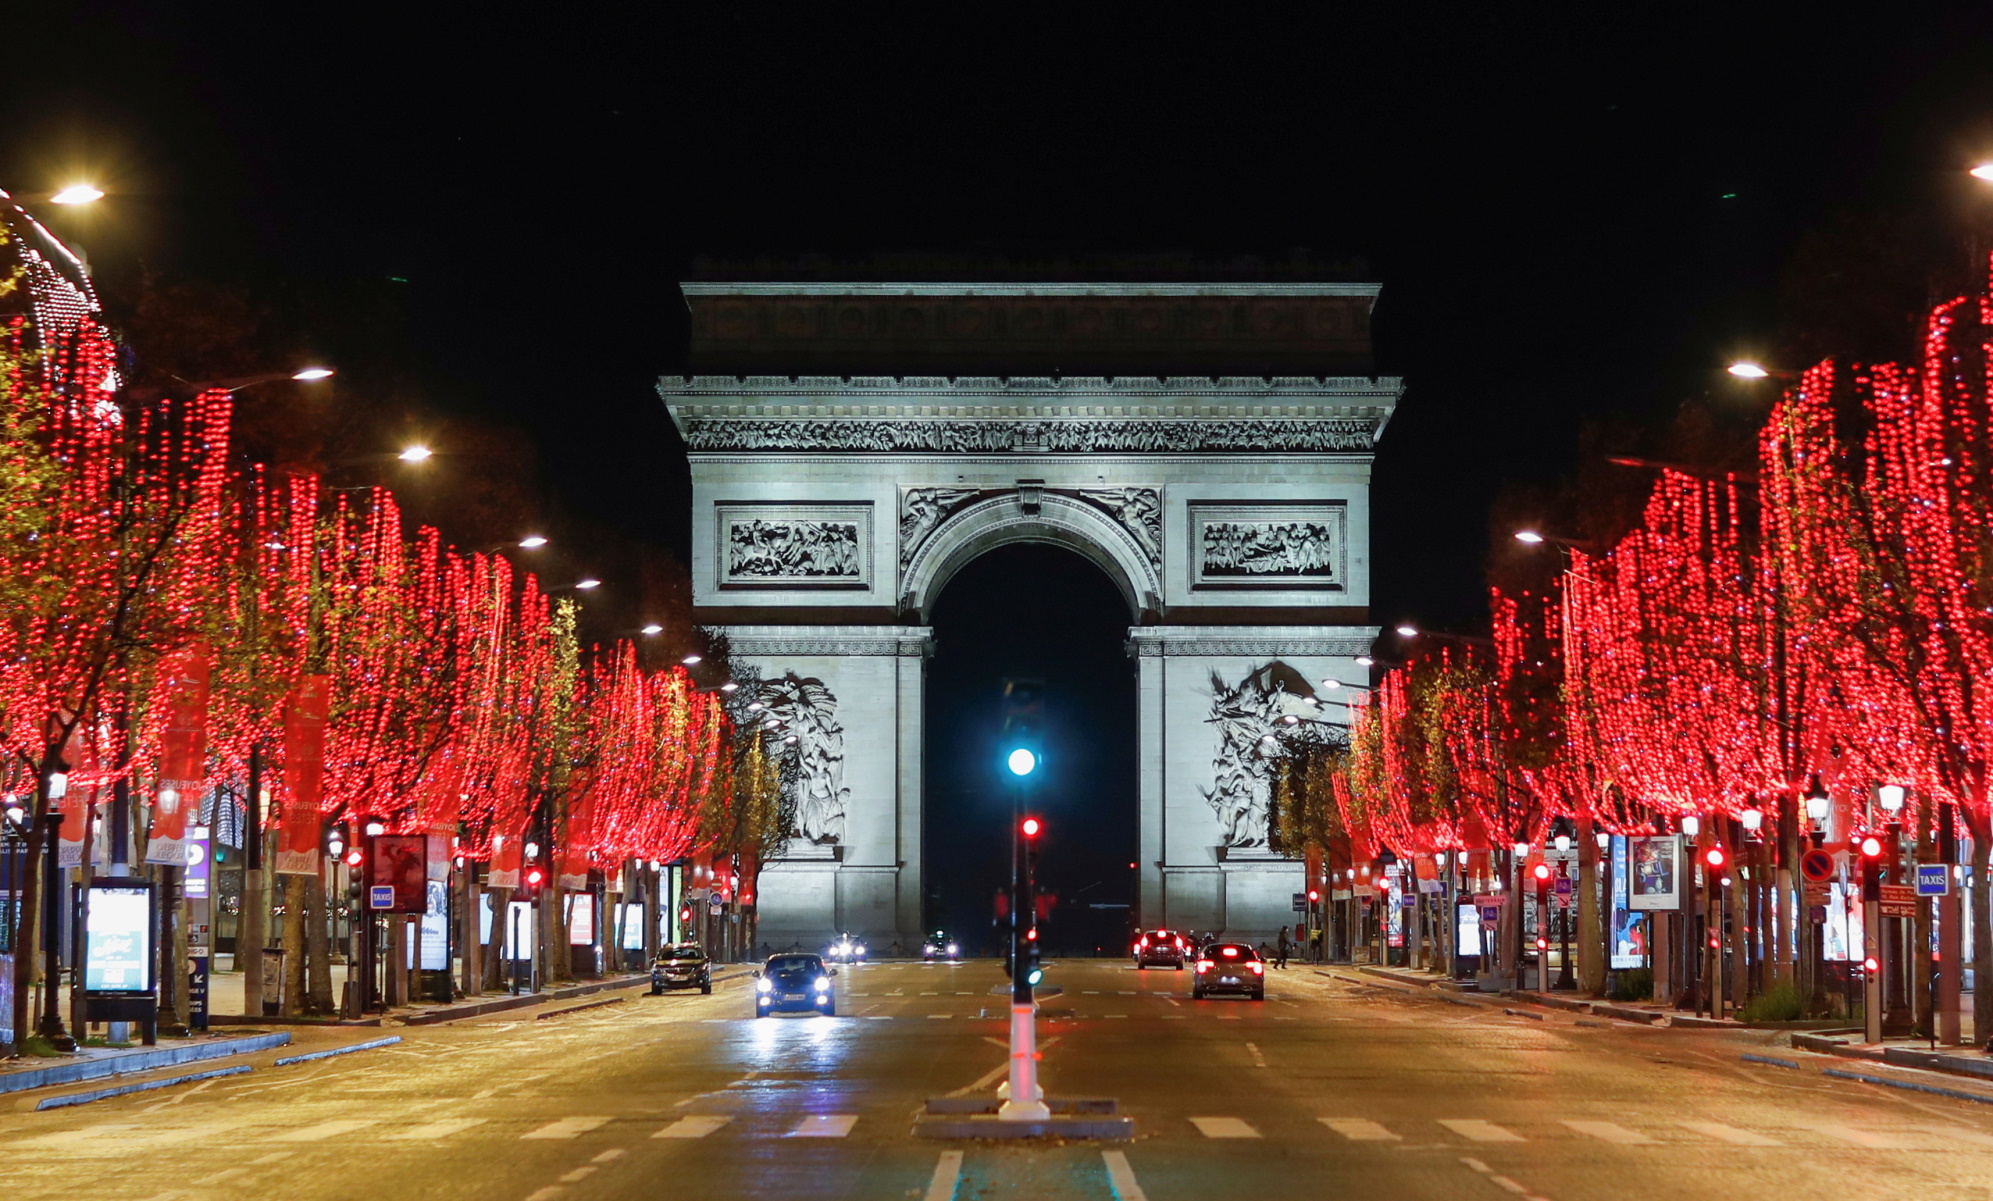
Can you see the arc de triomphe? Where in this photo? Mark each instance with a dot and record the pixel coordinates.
(1231, 510)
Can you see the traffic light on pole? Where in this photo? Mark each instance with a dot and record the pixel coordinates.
(1715, 857)
(1872, 847)
(531, 880)
(1034, 972)
(1023, 712)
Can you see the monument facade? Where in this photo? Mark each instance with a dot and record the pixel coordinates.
(854, 444)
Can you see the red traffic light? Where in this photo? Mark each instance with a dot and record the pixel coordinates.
(1542, 944)
(1314, 894)
(535, 877)
(1542, 872)
(1031, 826)
(1870, 965)
(1871, 847)
(1031, 935)
(355, 857)
(1714, 857)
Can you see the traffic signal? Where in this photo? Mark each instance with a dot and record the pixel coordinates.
(1023, 711)
(1314, 894)
(1541, 873)
(532, 878)
(1031, 828)
(1715, 857)
(1034, 971)
(1872, 848)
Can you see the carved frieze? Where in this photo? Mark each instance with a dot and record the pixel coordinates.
(794, 545)
(921, 509)
(986, 436)
(1257, 721)
(1268, 545)
(1140, 512)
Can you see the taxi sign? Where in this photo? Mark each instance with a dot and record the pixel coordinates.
(380, 896)
(1933, 879)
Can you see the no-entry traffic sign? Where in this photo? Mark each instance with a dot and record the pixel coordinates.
(1817, 866)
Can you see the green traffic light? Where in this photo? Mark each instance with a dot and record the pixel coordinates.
(1022, 762)
(1034, 976)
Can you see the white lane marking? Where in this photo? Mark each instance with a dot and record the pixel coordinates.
(930, 994)
(1964, 1136)
(1856, 1136)
(942, 1017)
(1127, 992)
(442, 1129)
(1500, 1181)
(1229, 1017)
(1089, 992)
(66, 1138)
(1224, 1128)
(1732, 1135)
(824, 1125)
(878, 1017)
(1117, 1015)
(1360, 1130)
(1514, 1186)
(965, 994)
(273, 1157)
(324, 1130)
(545, 1194)
(579, 1174)
(1479, 1131)
(1176, 1017)
(611, 1153)
(566, 1128)
(1121, 1177)
(941, 1186)
(693, 1127)
(1611, 1132)
(1259, 1061)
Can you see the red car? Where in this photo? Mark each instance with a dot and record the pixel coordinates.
(1161, 948)
(1229, 967)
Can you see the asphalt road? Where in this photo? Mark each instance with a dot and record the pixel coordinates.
(1326, 1089)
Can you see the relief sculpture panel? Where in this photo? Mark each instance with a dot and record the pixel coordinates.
(807, 546)
(1246, 546)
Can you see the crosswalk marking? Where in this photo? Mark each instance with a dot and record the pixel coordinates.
(1479, 1131)
(1360, 1130)
(325, 1130)
(1964, 1136)
(1856, 1136)
(1121, 1177)
(1224, 1128)
(1611, 1132)
(941, 1186)
(566, 1128)
(940, 1016)
(825, 1125)
(1730, 1134)
(441, 1129)
(696, 1126)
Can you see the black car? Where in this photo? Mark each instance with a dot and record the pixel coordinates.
(1161, 948)
(1232, 967)
(794, 983)
(942, 948)
(682, 965)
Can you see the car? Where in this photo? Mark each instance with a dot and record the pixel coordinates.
(795, 983)
(1164, 948)
(846, 950)
(1229, 967)
(941, 947)
(681, 965)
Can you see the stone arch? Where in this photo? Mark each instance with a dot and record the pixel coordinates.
(1058, 520)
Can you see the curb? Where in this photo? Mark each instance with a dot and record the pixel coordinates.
(138, 1061)
(105, 1094)
(1770, 1061)
(558, 1013)
(1908, 1085)
(369, 1045)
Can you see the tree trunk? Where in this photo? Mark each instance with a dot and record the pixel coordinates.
(318, 946)
(172, 954)
(1982, 925)
(470, 937)
(495, 965)
(1591, 928)
(27, 936)
(1787, 906)
(294, 974)
(553, 936)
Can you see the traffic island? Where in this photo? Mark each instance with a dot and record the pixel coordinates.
(1071, 1118)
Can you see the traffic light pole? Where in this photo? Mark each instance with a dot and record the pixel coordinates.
(1023, 1100)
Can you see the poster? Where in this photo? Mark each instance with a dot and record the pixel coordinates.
(633, 927)
(399, 862)
(1629, 929)
(1467, 924)
(436, 928)
(117, 939)
(580, 918)
(1654, 872)
(1842, 935)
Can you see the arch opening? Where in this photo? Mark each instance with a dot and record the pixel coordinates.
(1025, 608)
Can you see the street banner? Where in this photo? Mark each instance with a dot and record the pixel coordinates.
(504, 870)
(580, 836)
(1655, 864)
(304, 775)
(7, 1002)
(184, 675)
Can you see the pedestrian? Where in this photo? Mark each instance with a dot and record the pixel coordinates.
(1281, 949)
(1315, 945)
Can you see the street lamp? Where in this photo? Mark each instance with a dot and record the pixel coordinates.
(312, 374)
(532, 542)
(1408, 631)
(1983, 171)
(651, 630)
(1529, 536)
(1021, 762)
(415, 454)
(1691, 825)
(76, 193)
(1890, 797)
(1746, 369)
(692, 659)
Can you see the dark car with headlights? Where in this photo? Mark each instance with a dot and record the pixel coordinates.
(1161, 948)
(794, 983)
(682, 965)
(1229, 967)
(941, 948)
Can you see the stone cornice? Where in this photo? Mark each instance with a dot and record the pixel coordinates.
(909, 391)
(1266, 290)
(1251, 642)
(915, 642)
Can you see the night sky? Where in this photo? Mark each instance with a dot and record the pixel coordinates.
(1573, 217)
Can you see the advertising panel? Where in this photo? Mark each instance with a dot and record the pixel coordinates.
(1655, 880)
(398, 864)
(1629, 929)
(1467, 926)
(436, 928)
(117, 938)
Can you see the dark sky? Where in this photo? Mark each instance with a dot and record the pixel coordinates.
(1573, 214)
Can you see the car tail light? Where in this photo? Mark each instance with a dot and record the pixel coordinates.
(1142, 943)
(1259, 969)
(1204, 965)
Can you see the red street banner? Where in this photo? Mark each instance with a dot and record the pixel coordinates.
(504, 871)
(304, 774)
(184, 676)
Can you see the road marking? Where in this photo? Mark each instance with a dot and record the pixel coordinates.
(325, 1130)
(442, 1129)
(1360, 1130)
(1224, 1128)
(878, 1017)
(1176, 1017)
(1127, 992)
(930, 994)
(1116, 1015)
(1730, 1134)
(1855, 1136)
(579, 1174)
(1479, 1131)
(1121, 1177)
(1089, 992)
(942, 1017)
(693, 1127)
(824, 1125)
(65, 1138)
(1229, 1017)
(546, 1194)
(1259, 1061)
(1500, 1181)
(941, 1186)
(611, 1153)
(965, 994)
(1964, 1136)
(273, 1157)
(1611, 1132)
(566, 1128)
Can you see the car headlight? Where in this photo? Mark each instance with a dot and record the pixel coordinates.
(952, 949)
(823, 983)
(858, 951)
(764, 985)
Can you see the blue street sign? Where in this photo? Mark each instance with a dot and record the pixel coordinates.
(380, 896)
(1563, 886)
(1933, 879)
(1491, 914)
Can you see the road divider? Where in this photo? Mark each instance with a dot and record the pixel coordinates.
(369, 1045)
(138, 1086)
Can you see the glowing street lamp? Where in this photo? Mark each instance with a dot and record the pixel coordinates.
(532, 542)
(1745, 369)
(1529, 536)
(1983, 171)
(1890, 796)
(584, 585)
(415, 454)
(76, 193)
(1408, 631)
(311, 374)
(651, 630)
